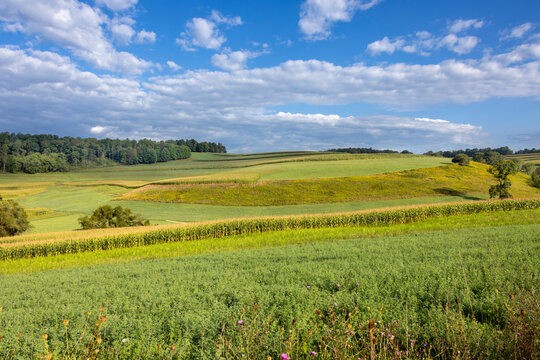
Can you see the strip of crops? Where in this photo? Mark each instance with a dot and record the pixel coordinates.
(247, 226)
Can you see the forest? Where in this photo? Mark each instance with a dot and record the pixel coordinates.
(33, 154)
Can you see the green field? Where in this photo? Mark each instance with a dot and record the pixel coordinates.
(67, 196)
(253, 256)
(533, 158)
(435, 181)
(194, 302)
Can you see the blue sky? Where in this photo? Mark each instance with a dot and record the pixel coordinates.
(275, 75)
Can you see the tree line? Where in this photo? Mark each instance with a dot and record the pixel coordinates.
(47, 153)
(369, 150)
(504, 150)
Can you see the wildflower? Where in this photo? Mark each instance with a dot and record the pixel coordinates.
(66, 322)
(308, 287)
(335, 304)
(329, 331)
(125, 340)
(313, 353)
(338, 285)
(518, 334)
(412, 341)
(240, 322)
(284, 357)
(357, 284)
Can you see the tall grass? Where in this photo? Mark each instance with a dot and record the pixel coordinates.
(255, 225)
(438, 181)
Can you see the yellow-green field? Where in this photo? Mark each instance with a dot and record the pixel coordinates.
(254, 256)
(56, 200)
(221, 186)
(436, 181)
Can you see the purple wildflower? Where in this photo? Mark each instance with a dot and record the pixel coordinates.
(240, 322)
(284, 357)
(313, 353)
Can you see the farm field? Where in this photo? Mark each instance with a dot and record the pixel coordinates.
(253, 256)
(446, 289)
(57, 200)
(533, 158)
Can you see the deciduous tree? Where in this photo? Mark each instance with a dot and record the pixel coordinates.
(501, 170)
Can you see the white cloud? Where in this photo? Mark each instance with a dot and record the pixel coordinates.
(519, 31)
(75, 26)
(122, 33)
(117, 5)
(44, 91)
(144, 36)
(424, 42)
(385, 45)
(318, 16)
(204, 33)
(233, 60)
(173, 66)
(463, 25)
(97, 129)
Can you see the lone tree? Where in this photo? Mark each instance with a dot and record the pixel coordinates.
(13, 218)
(461, 159)
(107, 217)
(501, 169)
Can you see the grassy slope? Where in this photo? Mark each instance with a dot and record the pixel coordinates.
(443, 180)
(94, 187)
(184, 301)
(533, 158)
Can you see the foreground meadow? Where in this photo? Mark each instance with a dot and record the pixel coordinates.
(416, 290)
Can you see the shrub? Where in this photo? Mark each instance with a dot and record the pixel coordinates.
(107, 217)
(461, 159)
(13, 218)
(535, 178)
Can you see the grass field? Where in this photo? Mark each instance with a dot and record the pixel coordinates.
(67, 196)
(445, 289)
(533, 158)
(234, 278)
(442, 180)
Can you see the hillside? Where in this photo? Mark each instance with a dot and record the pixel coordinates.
(437, 181)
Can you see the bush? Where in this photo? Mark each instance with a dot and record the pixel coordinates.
(13, 218)
(535, 178)
(108, 217)
(461, 159)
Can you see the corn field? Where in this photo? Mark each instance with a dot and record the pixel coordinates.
(256, 225)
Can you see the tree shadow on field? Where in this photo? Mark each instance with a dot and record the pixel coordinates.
(453, 192)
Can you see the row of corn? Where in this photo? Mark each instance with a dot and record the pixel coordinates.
(255, 225)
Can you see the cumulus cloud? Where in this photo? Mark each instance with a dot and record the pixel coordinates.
(173, 66)
(144, 36)
(463, 25)
(318, 16)
(96, 130)
(117, 5)
(424, 42)
(204, 33)
(233, 60)
(518, 31)
(75, 26)
(44, 91)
